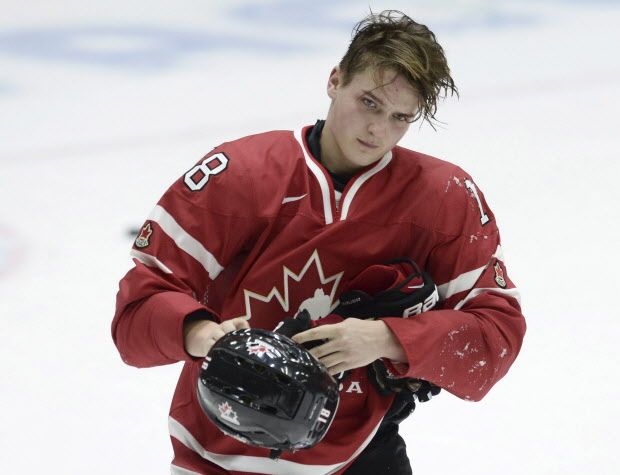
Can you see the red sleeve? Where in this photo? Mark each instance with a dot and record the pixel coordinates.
(199, 225)
(470, 343)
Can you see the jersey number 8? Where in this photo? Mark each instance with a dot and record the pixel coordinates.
(212, 165)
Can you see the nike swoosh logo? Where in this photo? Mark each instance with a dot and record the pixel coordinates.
(289, 199)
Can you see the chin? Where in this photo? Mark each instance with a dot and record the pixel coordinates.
(358, 164)
(368, 159)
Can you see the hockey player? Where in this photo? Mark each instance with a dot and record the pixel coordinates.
(266, 225)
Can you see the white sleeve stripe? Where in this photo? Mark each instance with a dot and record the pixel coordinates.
(150, 261)
(384, 162)
(174, 470)
(514, 293)
(244, 463)
(186, 242)
(466, 280)
(320, 176)
(463, 282)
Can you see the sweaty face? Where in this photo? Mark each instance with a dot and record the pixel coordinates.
(366, 118)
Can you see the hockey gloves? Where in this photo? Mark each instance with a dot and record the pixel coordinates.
(386, 383)
(396, 289)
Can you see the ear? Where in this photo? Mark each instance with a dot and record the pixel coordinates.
(334, 82)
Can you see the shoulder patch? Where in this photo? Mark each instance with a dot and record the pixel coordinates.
(499, 275)
(143, 239)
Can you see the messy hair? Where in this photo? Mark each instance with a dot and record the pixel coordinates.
(390, 40)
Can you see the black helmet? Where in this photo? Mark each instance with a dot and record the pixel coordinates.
(264, 389)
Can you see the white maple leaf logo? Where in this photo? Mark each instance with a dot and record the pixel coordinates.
(288, 275)
(261, 348)
(227, 413)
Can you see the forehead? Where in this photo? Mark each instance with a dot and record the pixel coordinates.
(387, 85)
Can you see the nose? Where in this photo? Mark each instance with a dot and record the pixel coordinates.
(377, 128)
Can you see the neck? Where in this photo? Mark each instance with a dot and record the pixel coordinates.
(332, 157)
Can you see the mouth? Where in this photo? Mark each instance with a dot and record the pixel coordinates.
(367, 145)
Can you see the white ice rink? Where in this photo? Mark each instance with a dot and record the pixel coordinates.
(104, 103)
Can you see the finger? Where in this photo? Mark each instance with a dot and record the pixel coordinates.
(208, 345)
(229, 326)
(325, 349)
(226, 326)
(332, 360)
(216, 334)
(317, 333)
(339, 368)
(239, 323)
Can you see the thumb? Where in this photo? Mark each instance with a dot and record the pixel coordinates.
(234, 324)
(239, 323)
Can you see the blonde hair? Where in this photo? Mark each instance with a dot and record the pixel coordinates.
(390, 40)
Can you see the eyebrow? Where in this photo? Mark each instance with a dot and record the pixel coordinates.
(383, 103)
(373, 96)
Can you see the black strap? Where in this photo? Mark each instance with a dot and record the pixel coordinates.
(314, 144)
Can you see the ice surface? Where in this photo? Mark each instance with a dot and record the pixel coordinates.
(104, 104)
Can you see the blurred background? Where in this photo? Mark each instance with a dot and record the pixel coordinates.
(104, 104)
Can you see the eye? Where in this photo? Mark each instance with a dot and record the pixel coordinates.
(403, 118)
(369, 103)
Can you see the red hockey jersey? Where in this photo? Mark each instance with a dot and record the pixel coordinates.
(256, 229)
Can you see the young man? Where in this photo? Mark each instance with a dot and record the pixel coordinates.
(269, 223)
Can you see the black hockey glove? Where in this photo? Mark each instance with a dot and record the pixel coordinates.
(396, 289)
(386, 383)
(301, 322)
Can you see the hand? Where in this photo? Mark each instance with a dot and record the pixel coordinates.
(201, 335)
(351, 344)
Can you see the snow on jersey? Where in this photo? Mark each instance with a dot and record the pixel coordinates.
(254, 230)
